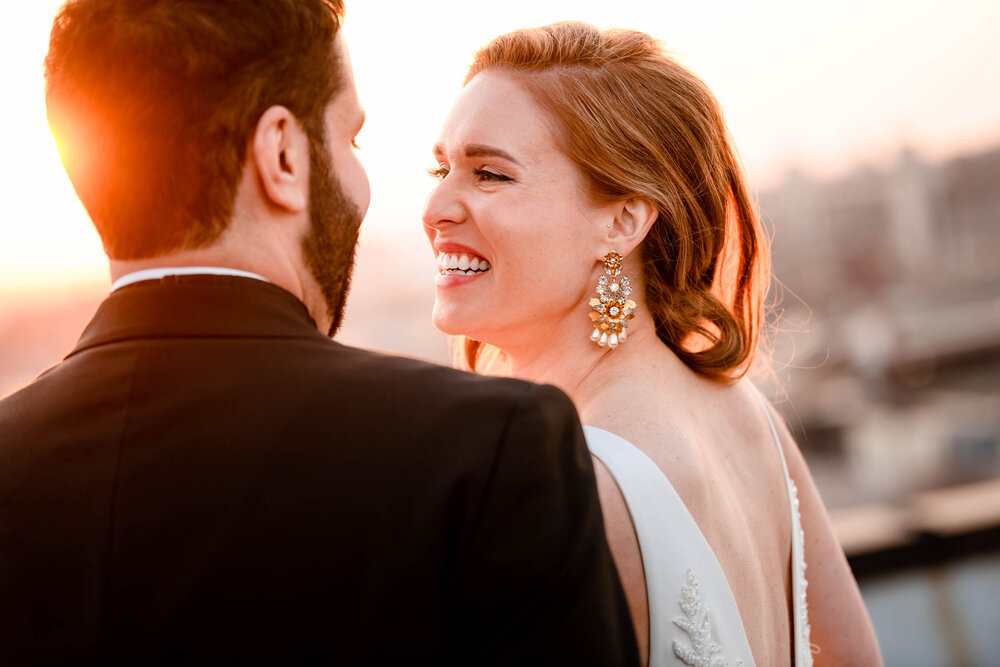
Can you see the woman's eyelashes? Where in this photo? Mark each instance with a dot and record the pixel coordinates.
(438, 172)
(486, 175)
(483, 175)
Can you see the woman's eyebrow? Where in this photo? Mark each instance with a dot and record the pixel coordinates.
(482, 150)
(479, 150)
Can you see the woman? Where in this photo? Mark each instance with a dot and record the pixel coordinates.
(593, 231)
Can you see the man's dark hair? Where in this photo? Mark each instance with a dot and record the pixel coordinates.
(153, 103)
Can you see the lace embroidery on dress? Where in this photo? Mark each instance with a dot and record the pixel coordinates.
(800, 602)
(698, 626)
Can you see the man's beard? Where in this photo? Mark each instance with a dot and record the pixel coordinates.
(334, 224)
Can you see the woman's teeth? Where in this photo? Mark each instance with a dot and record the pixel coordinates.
(462, 264)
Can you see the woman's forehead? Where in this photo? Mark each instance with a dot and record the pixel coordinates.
(495, 109)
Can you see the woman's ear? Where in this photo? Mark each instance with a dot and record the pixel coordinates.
(280, 151)
(632, 220)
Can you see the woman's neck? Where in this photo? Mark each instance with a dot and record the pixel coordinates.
(568, 359)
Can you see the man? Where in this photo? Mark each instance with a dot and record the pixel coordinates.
(207, 478)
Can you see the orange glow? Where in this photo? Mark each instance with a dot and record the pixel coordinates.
(817, 87)
(72, 159)
(46, 239)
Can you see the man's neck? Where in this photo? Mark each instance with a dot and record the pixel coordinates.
(256, 259)
(183, 260)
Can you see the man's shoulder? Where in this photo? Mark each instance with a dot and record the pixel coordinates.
(400, 378)
(429, 420)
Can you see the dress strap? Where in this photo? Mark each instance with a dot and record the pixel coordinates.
(774, 432)
(803, 648)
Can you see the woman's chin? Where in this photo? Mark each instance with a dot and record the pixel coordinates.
(451, 323)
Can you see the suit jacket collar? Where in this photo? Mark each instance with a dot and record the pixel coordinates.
(198, 306)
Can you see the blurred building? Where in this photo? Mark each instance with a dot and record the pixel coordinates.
(888, 323)
(886, 358)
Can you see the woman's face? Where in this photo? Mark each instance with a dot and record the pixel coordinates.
(516, 235)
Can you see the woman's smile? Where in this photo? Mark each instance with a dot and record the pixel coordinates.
(459, 265)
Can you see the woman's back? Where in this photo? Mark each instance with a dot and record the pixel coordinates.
(714, 444)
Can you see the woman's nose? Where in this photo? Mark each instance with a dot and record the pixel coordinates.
(443, 206)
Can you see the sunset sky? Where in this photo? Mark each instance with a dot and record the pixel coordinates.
(821, 87)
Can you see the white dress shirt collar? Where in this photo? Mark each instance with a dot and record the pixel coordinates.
(161, 272)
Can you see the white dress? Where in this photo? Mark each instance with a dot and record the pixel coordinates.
(693, 617)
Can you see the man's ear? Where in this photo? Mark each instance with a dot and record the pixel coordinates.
(280, 150)
(633, 218)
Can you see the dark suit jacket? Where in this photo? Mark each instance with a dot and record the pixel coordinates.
(206, 479)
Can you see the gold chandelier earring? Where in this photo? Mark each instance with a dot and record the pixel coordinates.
(612, 309)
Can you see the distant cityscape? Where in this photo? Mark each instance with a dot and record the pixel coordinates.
(888, 322)
(886, 363)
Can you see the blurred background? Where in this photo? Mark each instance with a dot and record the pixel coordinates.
(870, 132)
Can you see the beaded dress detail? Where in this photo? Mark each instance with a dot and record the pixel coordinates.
(803, 647)
(697, 623)
(693, 617)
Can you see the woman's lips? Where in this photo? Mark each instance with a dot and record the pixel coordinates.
(455, 279)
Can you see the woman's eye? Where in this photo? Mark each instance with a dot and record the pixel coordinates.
(438, 172)
(485, 175)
